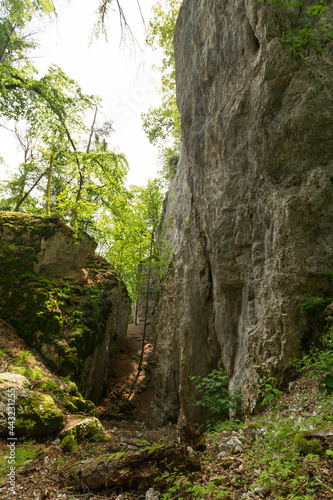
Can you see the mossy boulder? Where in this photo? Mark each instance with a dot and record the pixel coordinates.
(36, 414)
(84, 405)
(64, 395)
(89, 429)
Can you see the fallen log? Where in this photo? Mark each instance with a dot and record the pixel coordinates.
(130, 470)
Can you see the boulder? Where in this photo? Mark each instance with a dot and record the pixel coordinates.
(89, 429)
(36, 414)
(152, 494)
(230, 445)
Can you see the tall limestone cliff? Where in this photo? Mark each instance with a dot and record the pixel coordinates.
(249, 214)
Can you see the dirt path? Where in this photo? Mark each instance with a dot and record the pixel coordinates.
(125, 418)
(119, 404)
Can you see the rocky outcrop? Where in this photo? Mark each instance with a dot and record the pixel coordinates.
(249, 213)
(63, 300)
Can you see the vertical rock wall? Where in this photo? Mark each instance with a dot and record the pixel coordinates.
(250, 212)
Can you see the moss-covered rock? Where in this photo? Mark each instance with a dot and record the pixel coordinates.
(37, 415)
(89, 429)
(60, 297)
(308, 446)
(24, 412)
(84, 405)
(69, 444)
(64, 395)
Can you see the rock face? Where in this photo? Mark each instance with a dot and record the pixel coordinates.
(249, 214)
(61, 298)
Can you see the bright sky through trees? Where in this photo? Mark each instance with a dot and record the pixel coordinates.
(121, 75)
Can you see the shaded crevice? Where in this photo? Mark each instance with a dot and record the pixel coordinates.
(253, 41)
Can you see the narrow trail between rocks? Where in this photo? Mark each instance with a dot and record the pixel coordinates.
(125, 419)
(139, 406)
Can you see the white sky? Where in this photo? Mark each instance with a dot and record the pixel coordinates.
(123, 79)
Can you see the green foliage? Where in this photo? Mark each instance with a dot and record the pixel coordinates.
(326, 385)
(15, 26)
(61, 171)
(319, 362)
(268, 391)
(215, 395)
(312, 29)
(162, 124)
(227, 425)
(126, 239)
(314, 305)
(179, 484)
(278, 454)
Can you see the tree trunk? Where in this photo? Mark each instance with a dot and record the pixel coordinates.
(19, 203)
(146, 310)
(48, 188)
(3, 51)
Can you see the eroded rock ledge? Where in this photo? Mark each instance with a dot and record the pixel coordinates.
(65, 301)
(250, 211)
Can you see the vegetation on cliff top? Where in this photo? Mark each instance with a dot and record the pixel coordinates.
(67, 313)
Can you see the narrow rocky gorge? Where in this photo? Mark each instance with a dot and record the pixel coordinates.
(249, 212)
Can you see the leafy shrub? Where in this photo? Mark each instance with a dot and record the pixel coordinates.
(216, 396)
(313, 305)
(268, 391)
(319, 362)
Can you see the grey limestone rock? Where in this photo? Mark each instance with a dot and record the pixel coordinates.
(152, 494)
(249, 213)
(230, 445)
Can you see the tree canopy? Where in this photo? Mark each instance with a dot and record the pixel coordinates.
(69, 169)
(162, 124)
